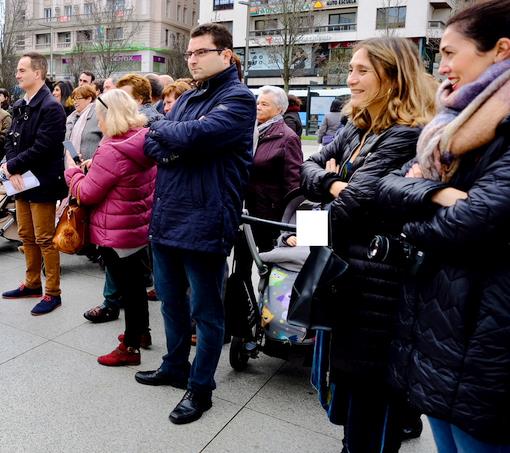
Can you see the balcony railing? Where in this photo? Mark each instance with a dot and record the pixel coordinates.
(435, 29)
(438, 24)
(276, 7)
(96, 17)
(306, 30)
(64, 45)
(42, 45)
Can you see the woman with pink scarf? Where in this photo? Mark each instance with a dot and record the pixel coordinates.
(452, 355)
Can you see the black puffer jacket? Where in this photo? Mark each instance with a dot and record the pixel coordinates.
(370, 295)
(453, 351)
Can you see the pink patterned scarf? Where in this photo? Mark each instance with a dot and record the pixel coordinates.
(467, 120)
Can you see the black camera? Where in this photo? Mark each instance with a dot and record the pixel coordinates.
(395, 249)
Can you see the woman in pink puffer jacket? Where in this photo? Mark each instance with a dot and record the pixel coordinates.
(119, 188)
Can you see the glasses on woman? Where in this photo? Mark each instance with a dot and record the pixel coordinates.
(77, 99)
(200, 53)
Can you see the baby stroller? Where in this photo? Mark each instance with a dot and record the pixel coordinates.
(261, 325)
(8, 225)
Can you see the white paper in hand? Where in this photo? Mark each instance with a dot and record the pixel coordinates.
(29, 181)
(312, 228)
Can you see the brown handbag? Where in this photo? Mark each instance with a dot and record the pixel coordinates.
(71, 233)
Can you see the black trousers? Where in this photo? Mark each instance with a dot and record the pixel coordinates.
(128, 276)
(374, 418)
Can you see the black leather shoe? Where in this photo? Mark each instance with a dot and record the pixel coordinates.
(190, 408)
(157, 377)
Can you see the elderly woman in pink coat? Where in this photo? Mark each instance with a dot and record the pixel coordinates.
(119, 187)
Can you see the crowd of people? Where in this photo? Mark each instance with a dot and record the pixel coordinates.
(166, 167)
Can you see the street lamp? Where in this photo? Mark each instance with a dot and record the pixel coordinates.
(247, 41)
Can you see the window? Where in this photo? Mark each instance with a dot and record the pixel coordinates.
(223, 4)
(42, 40)
(168, 8)
(394, 17)
(306, 21)
(47, 14)
(267, 24)
(20, 41)
(115, 5)
(228, 24)
(64, 37)
(87, 9)
(343, 21)
(84, 36)
(68, 10)
(184, 14)
(115, 34)
(178, 12)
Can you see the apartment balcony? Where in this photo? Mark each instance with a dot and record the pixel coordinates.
(441, 4)
(42, 46)
(275, 7)
(306, 30)
(124, 15)
(435, 29)
(64, 45)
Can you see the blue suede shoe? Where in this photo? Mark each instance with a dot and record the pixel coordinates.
(47, 304)
(22, 292)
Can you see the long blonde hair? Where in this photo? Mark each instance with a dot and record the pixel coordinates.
(408, 89)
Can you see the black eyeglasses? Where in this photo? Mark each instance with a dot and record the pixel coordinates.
(200, 53)
(102, 102)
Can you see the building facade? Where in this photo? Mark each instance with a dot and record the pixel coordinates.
(131, 35)
(328, 31)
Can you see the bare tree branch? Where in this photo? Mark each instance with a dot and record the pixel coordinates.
(11, 32)
(113, 30)
(293, 20)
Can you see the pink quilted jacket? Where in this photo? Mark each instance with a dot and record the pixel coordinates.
(119, 187)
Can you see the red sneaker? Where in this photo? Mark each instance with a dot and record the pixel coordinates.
(120, 356)
(145, 340)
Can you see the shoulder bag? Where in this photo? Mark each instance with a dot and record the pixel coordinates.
(71, 233)
(315, 291)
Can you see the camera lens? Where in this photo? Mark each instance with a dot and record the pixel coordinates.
(378, 248)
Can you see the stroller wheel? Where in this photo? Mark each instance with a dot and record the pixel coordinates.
(238, 357)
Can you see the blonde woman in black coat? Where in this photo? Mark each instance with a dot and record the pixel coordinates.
(391, 99)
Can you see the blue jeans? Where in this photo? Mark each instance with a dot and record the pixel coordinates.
(110, 292)
(450, 439)
(174, 271)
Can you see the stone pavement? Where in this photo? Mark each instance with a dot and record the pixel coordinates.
(55, 397)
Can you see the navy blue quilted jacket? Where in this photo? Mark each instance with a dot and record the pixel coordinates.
(203, 150)
(34, 142)
(453, 351)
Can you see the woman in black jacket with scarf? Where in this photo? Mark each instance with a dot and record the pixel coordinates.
(391, 98)
(453, 351)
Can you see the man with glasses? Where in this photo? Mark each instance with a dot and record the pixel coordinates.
(34, 143)
(86, 78)
(203, 150)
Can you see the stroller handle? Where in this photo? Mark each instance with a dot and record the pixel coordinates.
(248, 233)
(248, 219)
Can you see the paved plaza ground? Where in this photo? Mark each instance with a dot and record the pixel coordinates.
(55, 397)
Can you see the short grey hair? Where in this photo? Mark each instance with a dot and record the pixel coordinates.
(279, 95)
